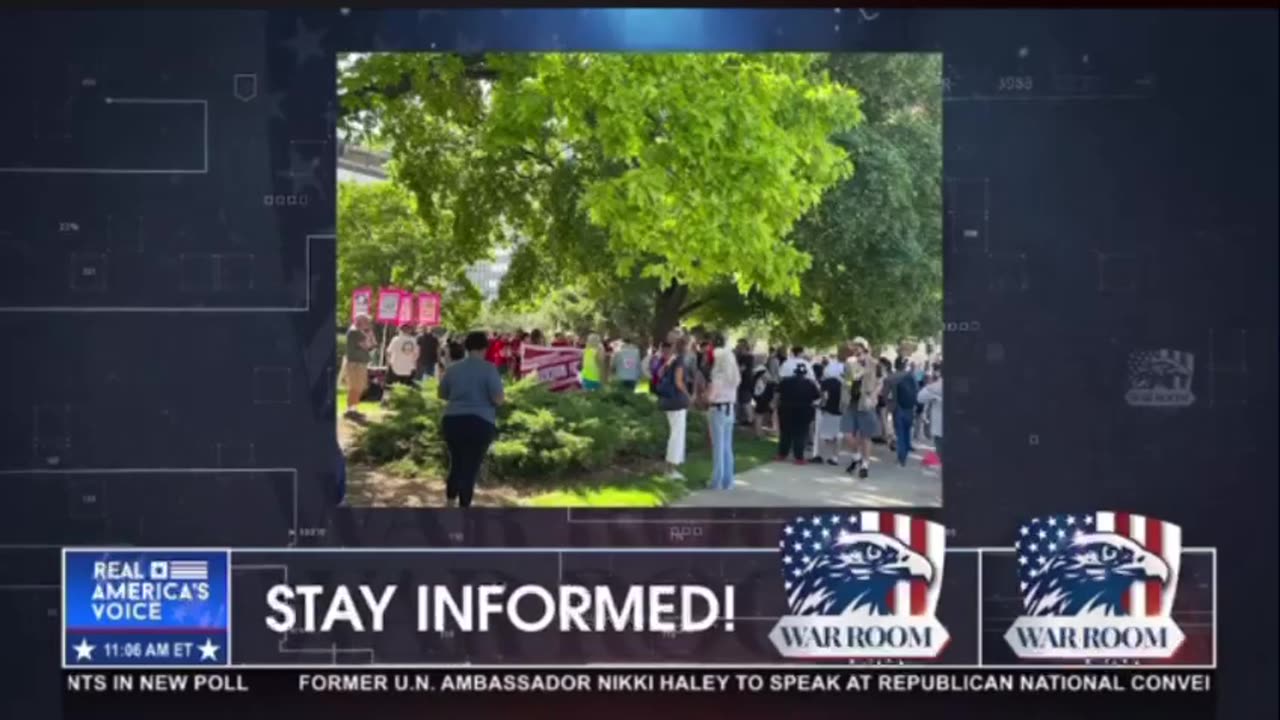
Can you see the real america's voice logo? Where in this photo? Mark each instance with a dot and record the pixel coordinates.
(1097, 586)
(861, 585)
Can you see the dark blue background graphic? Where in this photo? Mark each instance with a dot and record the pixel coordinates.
(168, 330)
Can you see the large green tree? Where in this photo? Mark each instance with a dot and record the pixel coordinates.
(876, 237)
(677, 177)
(384, 241)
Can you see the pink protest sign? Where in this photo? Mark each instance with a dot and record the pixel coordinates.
(405, 316)
(361, 303)
(556, 367)
(388, 311)
(428, 309)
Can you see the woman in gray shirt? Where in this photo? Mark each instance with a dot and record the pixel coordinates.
(472, 391)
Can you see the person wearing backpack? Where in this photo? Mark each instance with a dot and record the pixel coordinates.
(904, 389)
(673, 400)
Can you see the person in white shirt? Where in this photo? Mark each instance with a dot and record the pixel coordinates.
(402, 357)
(722, 400)
(931, 396)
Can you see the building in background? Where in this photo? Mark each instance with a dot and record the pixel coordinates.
(361, 165)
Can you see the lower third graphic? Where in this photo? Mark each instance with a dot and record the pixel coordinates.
(146, 607)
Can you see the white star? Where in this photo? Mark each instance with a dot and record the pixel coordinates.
(806, 533)
(797, 572)
(1042, 534)
(1052, 547)
(817, 546)
(1042, 559)
(1071, 519)
(833, 519)
(84, 651)
(817, 520)
(1022, 586)
(1022, 560)
(805, 559)
(1062, 533)
(786, 585)
(853, 519)
(786, 559)
(826, 533)
(1033, 547)
(1023, 530)
(208, 651)
(1088, 520)
(797, 547)
(1053, 522)
(788, 530)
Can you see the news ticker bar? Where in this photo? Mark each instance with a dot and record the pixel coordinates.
(678, 681)
(440, 607)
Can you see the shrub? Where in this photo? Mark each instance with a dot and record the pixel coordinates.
(542, 435)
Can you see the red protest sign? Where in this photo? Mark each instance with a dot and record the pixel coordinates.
(388, 310)
(361, 303)
(428, 309)
(556, 367)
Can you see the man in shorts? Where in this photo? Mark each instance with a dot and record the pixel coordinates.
(360, 344)
(860, 423)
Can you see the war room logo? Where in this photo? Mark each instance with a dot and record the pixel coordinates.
(1161, 378)
(1097, 586)
(861, 585)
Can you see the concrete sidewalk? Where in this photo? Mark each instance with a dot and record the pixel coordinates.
(783, 484)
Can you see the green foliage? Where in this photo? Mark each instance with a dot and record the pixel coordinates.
(543, 437)
(877, 236)
(382, 240)
(663, 170)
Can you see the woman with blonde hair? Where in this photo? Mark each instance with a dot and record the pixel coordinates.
(593, 363)
(722, 399)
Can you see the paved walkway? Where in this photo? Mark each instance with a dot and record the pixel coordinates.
(782, 484)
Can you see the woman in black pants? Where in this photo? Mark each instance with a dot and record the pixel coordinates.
(472, 390)
(797, 396)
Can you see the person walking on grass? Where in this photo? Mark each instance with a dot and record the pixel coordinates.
(360, 344)
(673, 399)
(722, 402)
(472, 391)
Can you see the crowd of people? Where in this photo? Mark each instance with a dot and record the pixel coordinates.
(818, 405)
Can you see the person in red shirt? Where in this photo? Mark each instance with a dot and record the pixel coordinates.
(495, 350)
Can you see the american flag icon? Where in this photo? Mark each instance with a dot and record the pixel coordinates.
(1102, 563)
(188, 570)
(1161, 369)
(865, 562)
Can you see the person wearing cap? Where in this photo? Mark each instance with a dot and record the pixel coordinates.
(859, 423)
(797, 396)
(360, 344)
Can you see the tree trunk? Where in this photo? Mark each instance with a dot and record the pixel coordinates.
(667, 308)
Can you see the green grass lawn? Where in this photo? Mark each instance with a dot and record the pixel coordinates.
(656, 489)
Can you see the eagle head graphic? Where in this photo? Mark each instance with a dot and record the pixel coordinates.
(854, 575)
(1091, 575)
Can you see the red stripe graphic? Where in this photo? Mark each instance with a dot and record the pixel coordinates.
(1122, 529)
(887, 526)
(1155, 544)
(920, 588)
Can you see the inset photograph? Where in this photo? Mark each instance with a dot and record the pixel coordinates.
(640, 280)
